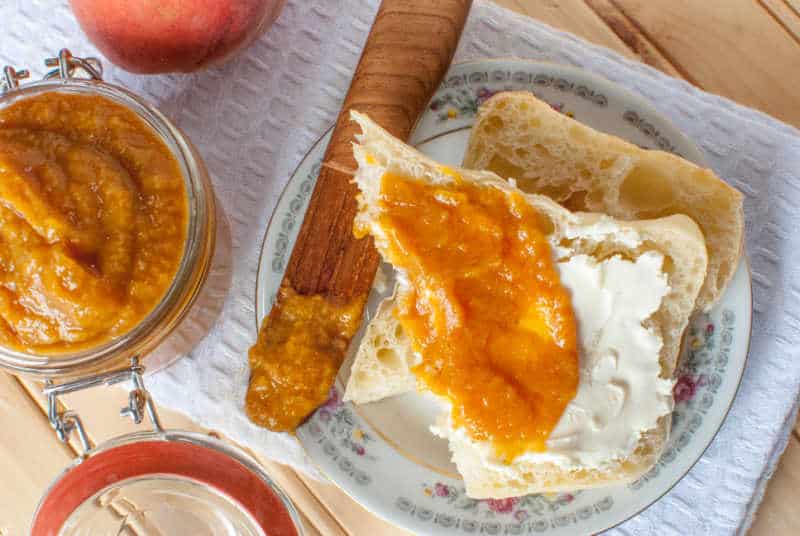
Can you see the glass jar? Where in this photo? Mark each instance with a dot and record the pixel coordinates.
(148, 339)
(161, 481)
(157, 482)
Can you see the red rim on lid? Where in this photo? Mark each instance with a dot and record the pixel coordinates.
(197, 458)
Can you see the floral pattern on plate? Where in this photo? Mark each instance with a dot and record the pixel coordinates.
(518, 508)
(408, 492)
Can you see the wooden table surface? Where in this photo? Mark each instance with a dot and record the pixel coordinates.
(747, 50)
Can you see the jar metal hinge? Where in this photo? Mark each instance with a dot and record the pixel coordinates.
(64, 66)
(139, 402)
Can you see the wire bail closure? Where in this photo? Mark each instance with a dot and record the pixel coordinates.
(139, 402)
(11, 78)
(66, 66)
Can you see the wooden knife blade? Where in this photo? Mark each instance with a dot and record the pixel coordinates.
(320, 302)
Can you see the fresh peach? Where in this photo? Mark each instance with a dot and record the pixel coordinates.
(156, 36)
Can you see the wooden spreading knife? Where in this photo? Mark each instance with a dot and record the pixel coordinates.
(320, 303)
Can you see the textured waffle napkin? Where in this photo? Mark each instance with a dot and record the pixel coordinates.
(256, 116)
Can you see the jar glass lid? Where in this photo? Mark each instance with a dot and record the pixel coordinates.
(164, 483)
(156, 483)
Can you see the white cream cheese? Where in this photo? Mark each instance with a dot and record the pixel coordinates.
(603, 229)
(620, 392)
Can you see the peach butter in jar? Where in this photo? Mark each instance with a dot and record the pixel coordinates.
(108, 226)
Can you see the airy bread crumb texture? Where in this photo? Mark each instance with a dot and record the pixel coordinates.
(384, 360)
(518, 136)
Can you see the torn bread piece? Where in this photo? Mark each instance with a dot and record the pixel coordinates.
(518, 136)
(383, 361)
(629, 281)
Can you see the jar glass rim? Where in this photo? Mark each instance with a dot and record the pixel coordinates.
(192, 438)
(199, 205)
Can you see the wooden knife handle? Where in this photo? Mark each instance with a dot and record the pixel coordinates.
(302, 342)
(404, 59)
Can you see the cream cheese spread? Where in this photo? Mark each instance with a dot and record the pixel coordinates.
(620, 392)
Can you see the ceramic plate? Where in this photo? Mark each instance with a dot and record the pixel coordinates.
(382, 454)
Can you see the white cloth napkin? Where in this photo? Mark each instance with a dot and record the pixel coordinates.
(256, 116)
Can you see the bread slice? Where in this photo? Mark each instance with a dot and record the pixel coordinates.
(518, 136)
(383, 361)
(676, 237)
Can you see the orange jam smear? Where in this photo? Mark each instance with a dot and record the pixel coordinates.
(486, 310)
(293, 365)
(93, 221)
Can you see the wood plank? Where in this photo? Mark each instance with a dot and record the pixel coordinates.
(794, 5)
(730, 47)
(99, 409)
(784, 15)
(571, 16)
(319, 513)
(629, 34)
(30, 456)
(354, 517)
(778, 513)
